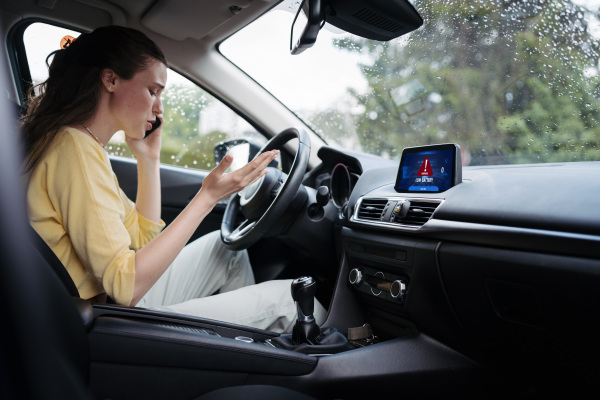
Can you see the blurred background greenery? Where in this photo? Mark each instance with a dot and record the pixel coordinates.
(511, 81)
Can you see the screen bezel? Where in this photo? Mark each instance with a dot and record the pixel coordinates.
(456, 176)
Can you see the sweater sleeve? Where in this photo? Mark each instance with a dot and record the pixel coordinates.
(94, 216)
(141, 229)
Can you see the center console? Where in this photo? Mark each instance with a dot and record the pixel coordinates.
(139, 349)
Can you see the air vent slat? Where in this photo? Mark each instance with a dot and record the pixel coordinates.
(372, 209)
(419, 212)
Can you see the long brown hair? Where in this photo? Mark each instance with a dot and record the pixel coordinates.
(71, 93)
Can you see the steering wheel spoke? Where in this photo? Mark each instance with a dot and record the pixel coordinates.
(241, 230)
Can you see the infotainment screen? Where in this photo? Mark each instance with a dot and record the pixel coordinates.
(434, 168)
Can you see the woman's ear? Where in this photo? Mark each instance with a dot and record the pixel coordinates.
(108, 79)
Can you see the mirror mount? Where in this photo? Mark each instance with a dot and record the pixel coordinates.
(315, 15)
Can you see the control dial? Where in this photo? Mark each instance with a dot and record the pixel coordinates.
(355, 277)
(398, 290)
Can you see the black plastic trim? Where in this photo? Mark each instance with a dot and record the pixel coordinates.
(125, 340)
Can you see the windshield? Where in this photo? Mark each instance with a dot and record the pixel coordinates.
(509, 81)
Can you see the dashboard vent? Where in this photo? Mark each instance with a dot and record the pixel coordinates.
(371, 209)
(419, 212)
(396, 212)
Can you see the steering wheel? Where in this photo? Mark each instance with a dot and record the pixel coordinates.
(263, 202)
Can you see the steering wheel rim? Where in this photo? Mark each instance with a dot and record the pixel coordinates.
(249, 231)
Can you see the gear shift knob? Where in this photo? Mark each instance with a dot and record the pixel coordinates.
(303, 293)
(306, 329)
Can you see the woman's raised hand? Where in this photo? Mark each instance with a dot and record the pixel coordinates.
(218, 184)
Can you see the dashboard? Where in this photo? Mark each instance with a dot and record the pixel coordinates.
(503, 266)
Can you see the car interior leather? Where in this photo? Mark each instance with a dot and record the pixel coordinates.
(53, 261)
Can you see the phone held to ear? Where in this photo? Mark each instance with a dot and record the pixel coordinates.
(155, 125)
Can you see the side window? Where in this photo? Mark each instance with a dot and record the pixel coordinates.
(40, 40)
(194, 120)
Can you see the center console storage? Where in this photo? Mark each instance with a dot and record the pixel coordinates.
(163, 339)
(198, 355)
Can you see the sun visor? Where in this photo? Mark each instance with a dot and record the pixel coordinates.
(183, 19)
(373, 19)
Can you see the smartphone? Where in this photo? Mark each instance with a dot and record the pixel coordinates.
(155, 125)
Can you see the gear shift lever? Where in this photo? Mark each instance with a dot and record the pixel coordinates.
(306, 329)
(307, 337)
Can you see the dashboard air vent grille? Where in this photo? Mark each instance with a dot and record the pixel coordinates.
(371, 209)
(419, 212)
(395, 212)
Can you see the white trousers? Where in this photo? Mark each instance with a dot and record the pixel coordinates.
(205, 267)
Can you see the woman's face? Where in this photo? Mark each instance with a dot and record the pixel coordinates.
(136, 102)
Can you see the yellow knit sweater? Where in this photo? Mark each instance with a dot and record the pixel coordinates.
(77, 207)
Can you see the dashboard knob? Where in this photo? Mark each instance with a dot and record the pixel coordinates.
(355, 276)
(322, 196)
(398, 290)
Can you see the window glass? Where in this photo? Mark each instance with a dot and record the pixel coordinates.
(194, 122)
(194, 119)
(40, 40)
(509, 81)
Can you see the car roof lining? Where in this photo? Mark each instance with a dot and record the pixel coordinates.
(209, 21)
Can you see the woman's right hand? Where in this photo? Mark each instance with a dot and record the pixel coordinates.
(153, 259)
(219, 185)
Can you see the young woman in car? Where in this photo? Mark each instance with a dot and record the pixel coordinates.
(110, 80)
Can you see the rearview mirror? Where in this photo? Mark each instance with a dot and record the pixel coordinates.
(312, 17)
(381, 20)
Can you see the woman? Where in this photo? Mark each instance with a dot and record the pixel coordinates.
(110, 80)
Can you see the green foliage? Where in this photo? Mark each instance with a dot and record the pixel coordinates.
(516, 83)
(182, 142)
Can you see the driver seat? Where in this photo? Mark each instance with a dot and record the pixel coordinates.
(53, 261)
(44, 348)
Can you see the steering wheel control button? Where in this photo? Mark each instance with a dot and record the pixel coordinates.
(277, 187)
